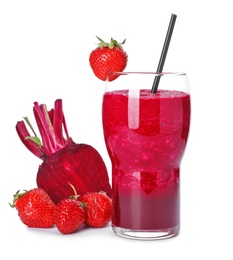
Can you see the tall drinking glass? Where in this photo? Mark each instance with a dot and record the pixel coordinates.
(146, 135)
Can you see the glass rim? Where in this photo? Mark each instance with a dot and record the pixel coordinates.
(148, 73)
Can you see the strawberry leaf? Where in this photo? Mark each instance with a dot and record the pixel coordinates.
(113, 43)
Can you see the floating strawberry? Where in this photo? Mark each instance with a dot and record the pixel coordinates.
(108, 57)
(35, 208)
(98, 209)
(64, 161)
(70, 215)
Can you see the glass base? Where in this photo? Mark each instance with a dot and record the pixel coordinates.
(147, 234)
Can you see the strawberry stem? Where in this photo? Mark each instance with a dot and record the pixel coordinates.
(75, 195)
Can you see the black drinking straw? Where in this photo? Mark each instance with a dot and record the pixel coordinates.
(164, 52)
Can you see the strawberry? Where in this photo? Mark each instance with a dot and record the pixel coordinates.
(108, 57)
(70, 215)
(35, 208)
(98, 209)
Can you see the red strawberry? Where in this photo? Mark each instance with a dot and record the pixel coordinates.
(35, 208)
(70, 215)
(108, 57)
(98, 209)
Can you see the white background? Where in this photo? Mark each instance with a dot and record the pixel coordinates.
(44, 51)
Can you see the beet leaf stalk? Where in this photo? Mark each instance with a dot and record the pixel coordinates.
(51, 125)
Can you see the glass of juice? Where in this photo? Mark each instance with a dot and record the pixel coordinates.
(145, 135)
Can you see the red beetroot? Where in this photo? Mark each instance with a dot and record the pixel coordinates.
(64, 161)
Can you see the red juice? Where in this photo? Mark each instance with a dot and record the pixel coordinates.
(145, 136)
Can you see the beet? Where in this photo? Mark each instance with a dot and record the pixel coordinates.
(65, 163)
(77, 164)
